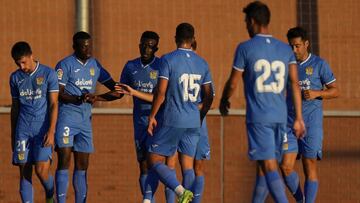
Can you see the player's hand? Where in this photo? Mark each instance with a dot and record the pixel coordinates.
(224, 107)
(299, 128)
(152, 125)
(124, 89)
(310, 94)
(49, 139)
(89, 98)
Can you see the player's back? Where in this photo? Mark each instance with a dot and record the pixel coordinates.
(264, 61)
(186, 72)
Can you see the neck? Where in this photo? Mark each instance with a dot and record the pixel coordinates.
(147, 61)
(184, 45)
(306, 55)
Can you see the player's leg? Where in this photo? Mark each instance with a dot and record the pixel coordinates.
(291, 177)
(261, 190)
(169, 193)
(26, 187)
(199, 183)
(42, 170)
(62, 173)
(81, 164)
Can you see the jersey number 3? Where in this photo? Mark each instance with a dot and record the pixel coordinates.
(276, 66)
(189, 85)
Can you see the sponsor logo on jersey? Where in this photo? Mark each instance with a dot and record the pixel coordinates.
(153, 74)
(92, 71)
(40, 80)
(305, 84)
(83, 82)
(60, 73)
(309, 70)
(31, 94)
(21, 156)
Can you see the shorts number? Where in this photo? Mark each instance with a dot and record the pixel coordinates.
(285, 138)
(21, 145)
(276, 66)
(66, 131)
(189, 84)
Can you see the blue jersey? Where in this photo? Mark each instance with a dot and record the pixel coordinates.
(32, 92)
(185, 72)
(313, 74)
(142, 78)
(265, 62)
(79, 78)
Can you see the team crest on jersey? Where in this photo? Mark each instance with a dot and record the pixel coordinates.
(66, 140)
(39, 80)
(21, 156)
(92, 71)
(153, 74)
(60, 73)
(309, 70)
(285, 146)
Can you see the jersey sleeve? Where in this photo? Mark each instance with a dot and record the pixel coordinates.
(53, 84)
(207, 76)
(124, 77)
(63, 72)
(239, 58)
(104, 75)
(326, 75)
(13, 88)
(164, 71)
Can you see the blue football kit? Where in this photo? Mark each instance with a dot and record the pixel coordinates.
(141, 78)
(33, 119)
(264, 62)
(179, 122)
(74, 121)
(314, 73)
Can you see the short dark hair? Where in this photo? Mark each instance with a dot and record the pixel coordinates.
(258, 11)
(297, 32)
(184, 32)
(150, 35)
(80, 35)
(20, 49)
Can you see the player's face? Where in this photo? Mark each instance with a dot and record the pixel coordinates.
(83, 49)
(300, 48)
(147, 48)
(26, 64)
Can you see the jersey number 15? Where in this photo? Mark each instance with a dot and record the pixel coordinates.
(189, 84)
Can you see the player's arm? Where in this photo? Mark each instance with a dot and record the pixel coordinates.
(207, 99)
(159, 97)
(126, 89)
(228, 91)
(53, 114)
(330, 92)
(15, 106)
(299, 126)
(67, 98)
(108, 96)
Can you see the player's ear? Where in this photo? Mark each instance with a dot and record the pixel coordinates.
(155, 49)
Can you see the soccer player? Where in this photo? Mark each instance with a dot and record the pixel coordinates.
(183, 77)
(265, 64)
(34, 90)
(314, 74)
(77, 75)
(138, 79)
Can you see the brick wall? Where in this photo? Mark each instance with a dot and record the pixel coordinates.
(113, 170)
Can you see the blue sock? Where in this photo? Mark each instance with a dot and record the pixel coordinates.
(261, 190)
(169, 195)
(293, 183)
(276, 187)
(151, 184)
(198, 188)
(188, 179)
(142, 181)
(62, 183)
(80, 185)
(26, 191)
(311, 188)
(165, 175)
(49, 186)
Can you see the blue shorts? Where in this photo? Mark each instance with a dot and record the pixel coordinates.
(265, 140)
(290, 142)
(77, 135)
(203, 146)
(141, 146)
(311, 145)
(167, 140)
(29, 141)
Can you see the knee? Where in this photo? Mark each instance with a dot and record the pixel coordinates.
(199, 168)
(286, 169)
(63, 161)
(310, 169)
(81, 165)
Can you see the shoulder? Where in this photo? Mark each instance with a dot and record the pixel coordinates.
(14, 74)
